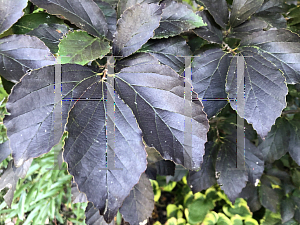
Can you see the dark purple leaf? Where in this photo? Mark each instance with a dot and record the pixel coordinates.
(50, 34)
(30, 125)
(281, 47)
(231, 179)
(83, 13)
(294, 144)
(20, 53)
(155, 93)
(209, 70)
(110, 16)
(93, 217)
(241, 10)
(265, 90)
(275, 144)
(168, 51)
(4, 151)
(287, 209)
(77, 196)
(135, 28)
(135, 59)
(250, 194)
(253, 25)
(165, 167)
(10, 178)
(138, 206)
(212, 32)
(269, 198)
(219, 10)
(125, 4)
(206, 176)
(11, 11)
(254, 160)
(85, 150)
(176, 19)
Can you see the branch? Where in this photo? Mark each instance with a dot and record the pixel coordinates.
(293, 111)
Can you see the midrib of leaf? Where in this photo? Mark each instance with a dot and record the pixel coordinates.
(136, 93)
(251, 82)
(12, 59)
(83, 128)
(61, 83)
(167, 55)
(282, 62)
(100, 130)
(98, 134)
(213, 71)
(50, 112)
(81, 134)
(135, 98)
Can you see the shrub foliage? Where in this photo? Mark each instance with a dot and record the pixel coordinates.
(139, 112)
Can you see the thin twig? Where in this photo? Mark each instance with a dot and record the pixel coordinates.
(292, 111)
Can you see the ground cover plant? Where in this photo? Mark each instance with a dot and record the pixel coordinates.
(56, 65)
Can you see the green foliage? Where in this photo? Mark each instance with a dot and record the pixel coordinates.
(81, 52)
(43, 195)
(209, 207)
(32, 21)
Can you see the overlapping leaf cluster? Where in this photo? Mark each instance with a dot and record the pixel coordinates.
(149, 39)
